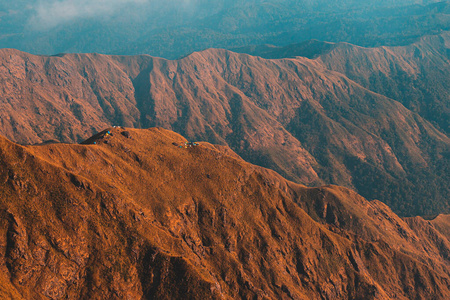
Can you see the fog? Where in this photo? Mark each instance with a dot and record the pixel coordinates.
(173, 28)
(49, 14)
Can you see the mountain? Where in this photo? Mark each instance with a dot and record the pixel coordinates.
(174, 28)
(285, 22)
(302, 117)
(416, 75)
(141, 214)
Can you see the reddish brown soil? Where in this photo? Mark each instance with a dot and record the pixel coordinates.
(299, 117)
(134, 216)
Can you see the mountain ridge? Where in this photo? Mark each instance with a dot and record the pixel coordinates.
(372, 68)
(296, 116)
(136, 215)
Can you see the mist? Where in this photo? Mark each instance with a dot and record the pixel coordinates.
(49, 14)
(174, 28)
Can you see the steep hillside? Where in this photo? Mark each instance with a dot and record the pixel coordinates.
(295, 116)
(141, 214)
(416, 75)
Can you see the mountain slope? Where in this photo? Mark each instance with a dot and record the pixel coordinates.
(416, 75)
(310, 124)
(133, 214)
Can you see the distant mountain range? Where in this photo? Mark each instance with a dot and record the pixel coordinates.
(229, 149)
(415, 75)
(142, 214)
(375, 120)
(172, 29)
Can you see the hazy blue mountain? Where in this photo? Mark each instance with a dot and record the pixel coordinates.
(175, 28)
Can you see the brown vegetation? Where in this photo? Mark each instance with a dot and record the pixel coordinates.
(133, 215)
(297, 116)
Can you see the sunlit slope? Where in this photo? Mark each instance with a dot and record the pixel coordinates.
(296, 116)
(141, 214)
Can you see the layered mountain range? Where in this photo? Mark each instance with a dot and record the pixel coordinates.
(372, 119)
(314, 170)
(145, 214)
(174, 28)
(414, 75)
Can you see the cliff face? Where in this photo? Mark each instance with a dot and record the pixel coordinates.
(297, 116)
(133, 214)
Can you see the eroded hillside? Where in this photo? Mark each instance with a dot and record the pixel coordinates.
(303, 118)
(144, 214)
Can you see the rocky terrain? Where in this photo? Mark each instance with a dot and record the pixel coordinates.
(143, 214)
(313, 120)
(416, 75)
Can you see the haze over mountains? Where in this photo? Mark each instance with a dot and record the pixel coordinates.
(131, 214)
(176, 28)
(314, 121)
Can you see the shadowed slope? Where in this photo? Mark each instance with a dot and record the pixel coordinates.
(417, 75)
(308, 123)
(442, 224)
(133, 214)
